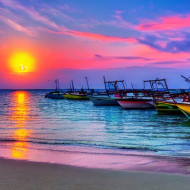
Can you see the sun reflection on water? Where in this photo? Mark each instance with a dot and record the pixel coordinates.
(20, 115)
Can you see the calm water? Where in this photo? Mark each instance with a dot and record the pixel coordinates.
(29, 122)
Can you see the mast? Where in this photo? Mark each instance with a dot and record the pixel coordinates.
(123, 85)
(72, 86)
(157, 91)
(57, 84)
(104, 82)
(132, 86)
(87, 83)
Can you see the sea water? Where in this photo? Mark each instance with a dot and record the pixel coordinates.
(78, 133)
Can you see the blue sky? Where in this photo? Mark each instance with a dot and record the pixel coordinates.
(101, 37)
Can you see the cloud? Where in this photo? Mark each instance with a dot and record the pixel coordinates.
(67, 8)
(33, 21)
(52, 26)
(166, 62)
(18, 27)
(101, 37)
(94, 36)
(31, 12)
(172, 46)
(120, 57)
(166, 23)
(121, 22)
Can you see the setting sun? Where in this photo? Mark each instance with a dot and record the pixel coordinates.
(22, 62)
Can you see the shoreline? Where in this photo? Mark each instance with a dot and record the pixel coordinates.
(23, 175)
(130, 161)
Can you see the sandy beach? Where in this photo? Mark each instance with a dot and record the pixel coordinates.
(24, 175)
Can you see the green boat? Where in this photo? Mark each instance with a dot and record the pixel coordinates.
(167, 108)
(76, 96)
(164, 101)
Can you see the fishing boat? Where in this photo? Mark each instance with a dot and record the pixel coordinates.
(103, 100)
(136, 103)
(185, 105)
(74, 95)
(109, 98)
(57, 94)
(164, 101)
(185, 108)
(167, 108)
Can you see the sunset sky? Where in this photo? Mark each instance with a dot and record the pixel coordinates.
(70, 39)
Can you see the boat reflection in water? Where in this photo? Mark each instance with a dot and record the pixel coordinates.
(20, 114)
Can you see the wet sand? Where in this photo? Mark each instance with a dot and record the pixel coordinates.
(24, 175)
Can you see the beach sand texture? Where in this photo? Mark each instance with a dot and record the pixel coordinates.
(24, 175)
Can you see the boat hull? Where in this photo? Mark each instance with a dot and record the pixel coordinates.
(76, 97)
(185, 108)
(167, 108)
(136, 104)
(54, 96)
(103, 101)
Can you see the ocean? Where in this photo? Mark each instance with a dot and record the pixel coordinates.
(78, 133)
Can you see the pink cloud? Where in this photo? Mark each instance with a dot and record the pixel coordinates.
(166, 23)
(93, 36)
(163, 59)
(58, 29)
(102, 37)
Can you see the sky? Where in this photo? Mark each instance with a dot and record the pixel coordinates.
(71, 39)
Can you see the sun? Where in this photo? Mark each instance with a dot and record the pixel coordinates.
(22, 62)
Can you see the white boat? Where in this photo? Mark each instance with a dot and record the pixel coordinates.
(109, 98)
(103, 100)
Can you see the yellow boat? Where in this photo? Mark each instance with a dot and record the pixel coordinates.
(76, 96)
(167, 108)
(185, 108)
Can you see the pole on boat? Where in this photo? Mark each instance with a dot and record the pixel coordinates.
(72, 86)
(104, 82)
(105, 85)
(132, 86)
(87, 83)
(57, 84)
(123, 84)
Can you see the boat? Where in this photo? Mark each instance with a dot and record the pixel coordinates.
(164, 101)
(57, 94)
(109, 97)
(74, 95)
(136, 99)
(185, 105)
(168, 108)
(103, 100)
(136, 103)
(185, 108)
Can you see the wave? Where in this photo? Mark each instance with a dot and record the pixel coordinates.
(62, 143)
